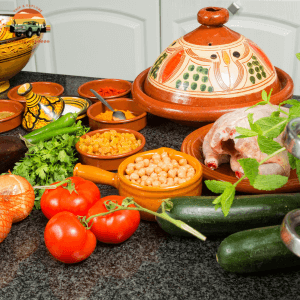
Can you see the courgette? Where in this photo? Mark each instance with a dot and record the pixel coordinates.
(246, 212)
(255, 250)
(65, 121)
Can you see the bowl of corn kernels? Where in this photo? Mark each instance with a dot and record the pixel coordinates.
(107, 148)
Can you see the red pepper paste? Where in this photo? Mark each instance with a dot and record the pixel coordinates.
(109, 91)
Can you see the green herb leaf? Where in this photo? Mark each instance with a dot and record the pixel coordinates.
(298, 55)
(269, 182)
(217, 201)
(292, 102)
(245, 132)
(217, 186)
(269, 96)
(250, 167)
(227, 199)
(275, 114)
(264, 95)
(253, 126)
(292, 161)
(267, 145)
(258, 103)
(294, 112)
(271, 126)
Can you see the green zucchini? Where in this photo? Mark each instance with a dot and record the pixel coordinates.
(65, 121)
(50, 134)
(246, 212)
(256, 250)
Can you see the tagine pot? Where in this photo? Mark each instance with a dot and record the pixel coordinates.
(40, 110)
(15, 52)
(208, 72)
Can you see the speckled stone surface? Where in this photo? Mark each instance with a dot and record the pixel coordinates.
(150, 265)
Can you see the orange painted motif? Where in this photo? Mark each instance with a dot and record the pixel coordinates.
(171, 65)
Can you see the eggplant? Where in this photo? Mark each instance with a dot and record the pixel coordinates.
(12, 149)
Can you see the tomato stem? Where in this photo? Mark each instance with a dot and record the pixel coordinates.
(54, 186)
(162, 215)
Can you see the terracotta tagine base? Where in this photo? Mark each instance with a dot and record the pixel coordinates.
(196, 115)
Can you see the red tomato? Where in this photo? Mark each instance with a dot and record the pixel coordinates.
(77, 202)
(67, 239)
(116, 227)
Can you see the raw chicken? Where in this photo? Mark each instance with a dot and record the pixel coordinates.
(220, 145)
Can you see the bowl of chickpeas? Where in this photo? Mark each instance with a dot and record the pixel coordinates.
(107, 148)
(151, 176)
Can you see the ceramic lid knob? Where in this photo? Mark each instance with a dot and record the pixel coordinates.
(24, 89)
(213, 16)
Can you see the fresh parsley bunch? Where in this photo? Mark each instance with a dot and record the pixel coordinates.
(266, 129)
(49, 161)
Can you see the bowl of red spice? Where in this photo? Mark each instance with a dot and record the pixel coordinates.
(107, 88)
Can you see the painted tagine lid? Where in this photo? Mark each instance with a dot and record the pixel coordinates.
(211, 66)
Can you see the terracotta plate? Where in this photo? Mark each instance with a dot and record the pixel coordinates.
(42, 88)
(192, 145)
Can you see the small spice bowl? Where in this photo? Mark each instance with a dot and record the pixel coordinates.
(76, 104)
(120, 84)
(48, 89)
(137, 123)
(148, 197)
(13, 121)
(110, 162)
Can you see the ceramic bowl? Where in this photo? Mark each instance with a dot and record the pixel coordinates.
(84, 89)
(192, 145)
(76, 104)
(137, 123)
(111, 162)
(15, 52)
(13, 121)
(42, 88)
(148, 197)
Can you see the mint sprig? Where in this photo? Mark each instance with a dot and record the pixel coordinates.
(266, 129)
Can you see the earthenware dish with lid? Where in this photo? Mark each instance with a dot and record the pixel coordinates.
(110, 162)
(39, 110)
(208, 72)
(84, 89)
(43, 88)
(148, 197)
(137, 123)
(192, 145)
(13, 121)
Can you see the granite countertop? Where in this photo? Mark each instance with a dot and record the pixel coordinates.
(150, 265)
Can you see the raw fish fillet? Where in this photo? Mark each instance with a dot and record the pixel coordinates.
(221, 146)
